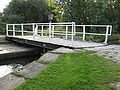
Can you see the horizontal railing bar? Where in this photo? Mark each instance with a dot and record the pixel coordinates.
(10, 30)
(91, 33)
(67, 23)
(43, 32)
(42, 23)
(57, 31)
(18, 31)
(93, 25)
(22, 24)
(63, 25)
(62, 34)
(28, 31)
(56, 25)
(54, 32)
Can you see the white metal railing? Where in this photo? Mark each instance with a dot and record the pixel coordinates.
(53, 29)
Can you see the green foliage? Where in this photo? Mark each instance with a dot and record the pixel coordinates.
(75, 71)
(2, 28)
(23, 11)
(93, 12)
(56, 9)
(79, 11)
(114, 39)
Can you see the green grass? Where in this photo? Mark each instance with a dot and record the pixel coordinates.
(75, 71)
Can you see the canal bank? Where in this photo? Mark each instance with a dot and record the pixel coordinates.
(13, 55)
(14, 79)
(17, 56)
(13, 58)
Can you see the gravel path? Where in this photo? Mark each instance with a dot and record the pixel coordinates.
(109, 52)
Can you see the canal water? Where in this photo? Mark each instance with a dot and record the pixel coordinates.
(8, 66)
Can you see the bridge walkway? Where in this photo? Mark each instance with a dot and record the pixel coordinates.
(45, 34)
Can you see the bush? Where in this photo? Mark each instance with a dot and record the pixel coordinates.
(2, 28)
(114, 39)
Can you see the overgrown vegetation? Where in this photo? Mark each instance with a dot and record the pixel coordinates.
(75, 71)
(2, 28)
(114, 39)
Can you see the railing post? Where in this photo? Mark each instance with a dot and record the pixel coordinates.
(53, 27)
(13, 30)
(22, 29)
(83, 32)
(7, 30)
(110, 30)
(72, 33)
(42, 31)
(106, 36)
(74, 28)
(36, 28)
(66, 32)
(33, 31)
(50, 30)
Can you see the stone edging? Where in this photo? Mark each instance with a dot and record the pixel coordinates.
(18, 77)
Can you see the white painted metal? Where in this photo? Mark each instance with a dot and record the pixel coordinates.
(50, 30)
(7, 30)
(36, 30)
(84, 33)
(106, 36)
(42, 30)
(33, 26)
(22, 29)
(66, 32)
(13, 30)
(53, 27)
(69, 29)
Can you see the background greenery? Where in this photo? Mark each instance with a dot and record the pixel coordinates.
(79, 11)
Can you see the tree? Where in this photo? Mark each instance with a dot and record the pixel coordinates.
(23, 11)
(55, 8)
(93, 12)
(2, 25)
(83, 11)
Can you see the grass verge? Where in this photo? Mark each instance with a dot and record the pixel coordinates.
(75, 71)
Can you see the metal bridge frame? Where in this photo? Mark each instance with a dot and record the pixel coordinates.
(52, 31)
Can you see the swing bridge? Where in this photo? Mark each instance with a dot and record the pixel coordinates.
(55, 35)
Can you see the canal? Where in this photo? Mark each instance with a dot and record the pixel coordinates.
(14, 57)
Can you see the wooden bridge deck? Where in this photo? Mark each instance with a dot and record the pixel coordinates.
(53, 43)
